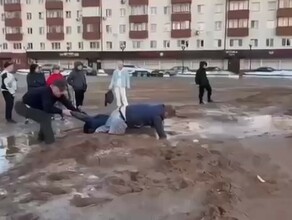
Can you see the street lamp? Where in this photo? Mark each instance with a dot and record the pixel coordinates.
(68, 50)
(123, 47)
(250, 51)
(184, 46)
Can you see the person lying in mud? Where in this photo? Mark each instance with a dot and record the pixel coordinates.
(38, 104)
(131, 116)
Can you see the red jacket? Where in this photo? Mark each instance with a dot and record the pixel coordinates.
(55, 76)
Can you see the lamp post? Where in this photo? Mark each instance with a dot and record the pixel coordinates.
(184, 45)
(250, 51)
(68, 50)
(123, 47)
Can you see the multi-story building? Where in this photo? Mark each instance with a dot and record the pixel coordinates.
(153, 33)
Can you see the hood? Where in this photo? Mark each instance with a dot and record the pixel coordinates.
(76, 64)
(202, 64)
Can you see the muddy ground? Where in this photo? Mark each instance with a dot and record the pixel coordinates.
(227, 160)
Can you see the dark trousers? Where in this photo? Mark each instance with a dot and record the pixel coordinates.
(9, 102)
(202, 89)
(79, 97)
(46, 132)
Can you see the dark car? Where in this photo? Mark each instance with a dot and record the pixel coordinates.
(265, 69)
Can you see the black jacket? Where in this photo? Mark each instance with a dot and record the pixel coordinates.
(35, 80)
(201, 77)
(42, 98)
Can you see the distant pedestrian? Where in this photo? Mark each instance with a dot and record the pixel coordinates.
(55, 75)
(203, 82)
(8, 88)
(35, 78)
(119, 83)
(77, 79)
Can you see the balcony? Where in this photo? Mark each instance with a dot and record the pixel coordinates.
(54, 5)
(55, 36)
(284, 31)
(14, 37)
(55, 21)
(138, 2)
(12, 7)
(237, 32)
(181, 17)
(13, 22)
(138, 19)
(284, 12)
(138, 34)
(185, 33)
(90, 3)
(181, 1)
(238, 14)
(91, 35)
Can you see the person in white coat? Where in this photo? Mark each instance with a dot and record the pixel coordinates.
(8, 88)
(119, 83)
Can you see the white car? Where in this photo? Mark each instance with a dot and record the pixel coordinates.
(218, 71)
(137, 71)
(22, 71)
(269, 71)
(66, 72)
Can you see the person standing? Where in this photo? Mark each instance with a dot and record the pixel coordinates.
(8, 88)
(77, 80)
(119, 82)
(55, 75)
(203, 82)
(35, 78)
(39, 104)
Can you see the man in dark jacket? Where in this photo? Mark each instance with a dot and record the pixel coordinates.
(131, 116)
(203, 82)
(35, 78)
(77, 80)
(38, 104)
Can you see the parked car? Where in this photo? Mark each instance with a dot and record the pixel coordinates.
(89, 71)
(66, 72)
(217, 71)
(156, 73)
(179, 70)
(137, 71)
(269, 71)
(47, 68)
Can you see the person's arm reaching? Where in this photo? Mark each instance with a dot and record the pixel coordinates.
(67, 103)
(49, 107)
(158, 125)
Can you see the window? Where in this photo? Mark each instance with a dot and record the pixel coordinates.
(138, 26)
(232, 42)
(42, 46)
(41, 15)
(108, 12)
(5, 46)
(286, 42)
(153, 10)
(136, 44)
(139, 10)
(78, 14)
(285, 3)
(238, 5)
(240, 42)
(218, 43)
(68, 14)
(269, 42)
(255, 6)
(218, 8)
(109, 45)
(80, 45)
(2, 17)
(272, 5)
(200, 9)
(55, 14)
(17, 46)
(108, 29)
(78, 29)
(254, 42)
(68, 30)
(30, 46)
(218, 25)
(41, 1)
(182, 43)
(68, 45)
(28, 16)
(254, 24)
(55, 29)
(123, 12)
(42, 30)
(285, 22)
(180, 25)
(153, 28)
(166, 10)
(29, 30)
(94, 45)
(153, 44)
(122, 28)
(28, 2)
(56, 46)
(238, 23)
(166, 44)
(181, 8)
(200, 43)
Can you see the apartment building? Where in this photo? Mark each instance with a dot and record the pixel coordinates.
(153, 33)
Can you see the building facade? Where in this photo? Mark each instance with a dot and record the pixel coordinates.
(153, 33)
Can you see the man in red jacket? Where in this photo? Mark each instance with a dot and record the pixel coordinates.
(56, 75)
